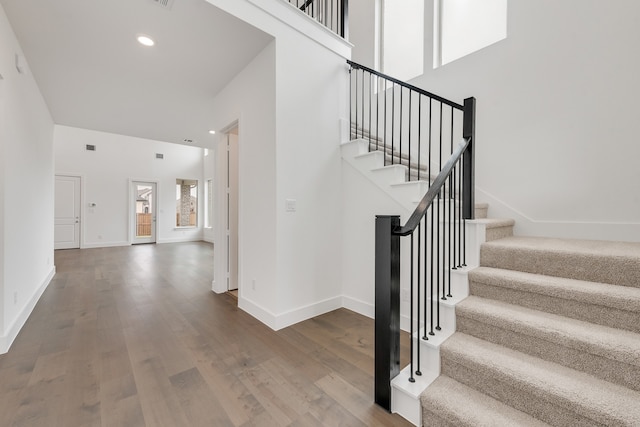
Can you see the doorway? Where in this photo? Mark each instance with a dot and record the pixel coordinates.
(66, 231)
(232, 208)
(144, 212)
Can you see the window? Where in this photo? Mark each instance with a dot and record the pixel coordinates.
(186, 203)
(208, 205)
(466, 26)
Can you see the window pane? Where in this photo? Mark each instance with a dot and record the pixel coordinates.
(186, 203)
(208, 214)
(403, 38)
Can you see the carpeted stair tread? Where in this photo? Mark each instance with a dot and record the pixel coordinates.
(546, 390)
(495, 222)
(616, 263)
(623, 346)
(458, 405)
(620, 297)
(608, 353)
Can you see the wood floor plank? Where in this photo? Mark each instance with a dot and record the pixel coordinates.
(133, 336)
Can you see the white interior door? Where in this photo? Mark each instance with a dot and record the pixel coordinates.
(143, 212)
(232, 209)
(67, 212)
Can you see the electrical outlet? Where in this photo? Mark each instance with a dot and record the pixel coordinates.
(15, 298)
(253, 284)
(404, 295)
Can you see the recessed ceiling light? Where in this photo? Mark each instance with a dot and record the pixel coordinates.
(145, 40)
(212, 132)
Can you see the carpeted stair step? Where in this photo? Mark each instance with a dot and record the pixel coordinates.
(617, 263)
(497, 228)
(610, 354)
(601, 303)
(547, 391)
(449, 403)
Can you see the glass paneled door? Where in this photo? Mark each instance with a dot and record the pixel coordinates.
(144, 212)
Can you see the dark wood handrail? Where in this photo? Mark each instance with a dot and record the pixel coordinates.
(357, 66)
(433, 191)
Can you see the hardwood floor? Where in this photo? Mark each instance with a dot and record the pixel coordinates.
(133, 336)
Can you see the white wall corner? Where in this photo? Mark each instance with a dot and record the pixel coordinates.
(218, 287)
(12, 332)
(257, 311)
(307, 312)
(361, 307)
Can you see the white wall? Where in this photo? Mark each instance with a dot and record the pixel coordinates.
(106, 175)
(289, 149)
(364, 32)
(26, 169)
(556, 143)
(362, 200)
(250, 100)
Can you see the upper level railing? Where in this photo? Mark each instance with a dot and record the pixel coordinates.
(333, 14)
(433, 138)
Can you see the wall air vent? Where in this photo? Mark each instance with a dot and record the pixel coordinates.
(91, 147)
(159, 156)
(167, 4)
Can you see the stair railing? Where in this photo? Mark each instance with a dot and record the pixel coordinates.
(415, 129)
(333, 14)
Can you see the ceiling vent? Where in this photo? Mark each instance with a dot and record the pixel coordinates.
(167, 4)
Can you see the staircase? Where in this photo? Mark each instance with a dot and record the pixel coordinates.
(550, 335)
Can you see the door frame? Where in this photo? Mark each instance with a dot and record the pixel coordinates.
(131, 209)
(81, 212)
(221, 261)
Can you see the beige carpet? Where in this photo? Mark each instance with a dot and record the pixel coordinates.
(550, 335)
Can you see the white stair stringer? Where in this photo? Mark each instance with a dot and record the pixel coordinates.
(391, 179)
(405, 395)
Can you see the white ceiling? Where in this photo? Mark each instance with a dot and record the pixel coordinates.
(93, 74)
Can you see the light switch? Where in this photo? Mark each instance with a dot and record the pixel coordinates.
(290, 205)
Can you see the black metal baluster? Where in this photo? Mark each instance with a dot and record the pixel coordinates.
(409, 144)
(384, 146)
(451, 224)
(418, 372)
(350, 101)
(424, 336)
(355, 101)
(419, 131)
(431, 284)
(370, 83)
(377, 112)
(362, 130)
(401, 126)
(411, 379)
(438, 263)
(393, 117)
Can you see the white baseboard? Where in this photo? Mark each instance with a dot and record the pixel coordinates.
(196, 238)
(13, 331)
(104, 245)
(360, 307)
(527, 226)
(280, 321)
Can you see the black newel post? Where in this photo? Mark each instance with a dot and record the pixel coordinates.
(468, 161)
(387, 308)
